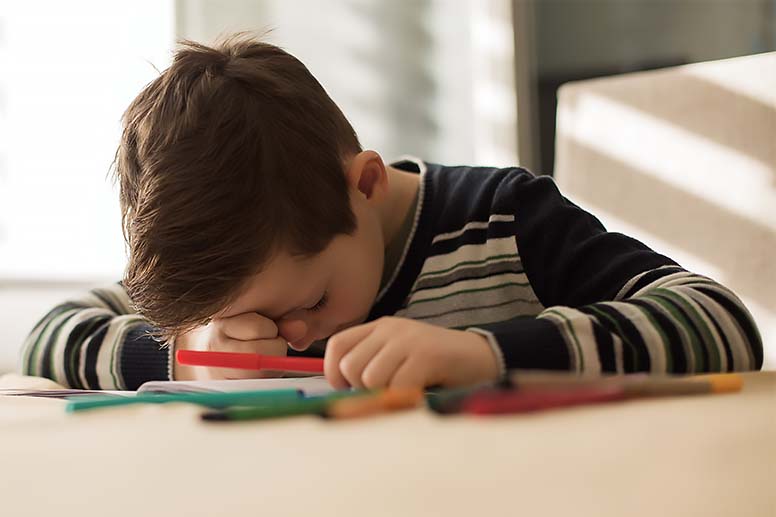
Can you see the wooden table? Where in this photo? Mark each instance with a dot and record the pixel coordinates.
(702, 456)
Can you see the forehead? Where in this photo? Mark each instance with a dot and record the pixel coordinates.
(283, 284)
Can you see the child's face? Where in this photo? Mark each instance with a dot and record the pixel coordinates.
(313, 299)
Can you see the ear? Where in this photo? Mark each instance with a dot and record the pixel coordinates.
(366, 173)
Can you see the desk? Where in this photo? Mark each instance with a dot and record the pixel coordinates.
(705, 456)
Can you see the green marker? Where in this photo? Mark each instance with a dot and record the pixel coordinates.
(282, 408)
(213, 400)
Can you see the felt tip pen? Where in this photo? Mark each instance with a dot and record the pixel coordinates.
(304, 406)
(635, 385)
(547, 396)
(392, 399)
(213, 400)
(245, 361)
(496, 402)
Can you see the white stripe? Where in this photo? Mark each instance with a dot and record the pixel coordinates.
(25, 366)
(58, 351)
(686, 342)
(651, 337)
(89, 299)
(466, 316)
(630, 283)
(107, 368)
(418, 209)
(582, 326)
(655, 284)
(471, 283)
(459, 267)
(689, 294)
(497, 353)
(51, 326)
(734, 334)
(618, 357)
(474, 225)
(470, 252)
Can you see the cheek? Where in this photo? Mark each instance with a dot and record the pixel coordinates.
(353, 302)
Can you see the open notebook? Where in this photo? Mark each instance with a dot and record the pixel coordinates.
(317, 385)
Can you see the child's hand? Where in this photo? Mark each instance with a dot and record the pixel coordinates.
(249, 332)
(400, 352)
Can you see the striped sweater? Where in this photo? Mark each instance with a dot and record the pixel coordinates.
(494, 251)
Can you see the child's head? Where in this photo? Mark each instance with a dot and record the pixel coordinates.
(235, 165)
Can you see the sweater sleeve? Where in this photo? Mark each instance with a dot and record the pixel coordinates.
(95, 341)
(612, 304)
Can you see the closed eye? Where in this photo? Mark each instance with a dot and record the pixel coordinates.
(321, 303)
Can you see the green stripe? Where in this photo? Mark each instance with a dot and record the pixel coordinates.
(715, 362)
(467, 263)
(621, 335)
(30, 346)
(55, 337)
(34, 366)
(479, 289)
(120, 339)
(681, 322)
(663, 336)
(72, 360)
(570, 327)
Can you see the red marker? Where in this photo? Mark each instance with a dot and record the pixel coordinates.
(249, 361)
(494, 402)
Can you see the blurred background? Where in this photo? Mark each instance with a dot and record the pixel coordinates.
(451, 81)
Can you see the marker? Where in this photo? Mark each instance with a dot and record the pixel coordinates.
(283, 408)
(634, 385)
(388, 400)
(214, 400)
(498, 402)
(449, 401)
(244, 361)
(544, 395)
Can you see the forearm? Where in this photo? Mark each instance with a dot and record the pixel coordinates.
(95, 342)
(663, 321)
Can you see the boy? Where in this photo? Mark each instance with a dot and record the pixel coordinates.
(256, 222)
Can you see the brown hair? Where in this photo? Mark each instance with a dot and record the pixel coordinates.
(232, 154)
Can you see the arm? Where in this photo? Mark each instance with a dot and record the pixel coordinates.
(612, 304)
(95, 341)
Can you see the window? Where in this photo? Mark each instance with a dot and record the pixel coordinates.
(69, 69)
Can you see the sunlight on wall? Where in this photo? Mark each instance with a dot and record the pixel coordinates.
(684, 159)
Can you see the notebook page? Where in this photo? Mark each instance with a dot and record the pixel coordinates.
(317, 385)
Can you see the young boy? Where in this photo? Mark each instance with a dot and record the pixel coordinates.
(256, 222)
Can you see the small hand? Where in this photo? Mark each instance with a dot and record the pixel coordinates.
(248, 332)
(404, 353)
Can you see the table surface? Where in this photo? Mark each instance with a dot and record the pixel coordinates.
(689, 456)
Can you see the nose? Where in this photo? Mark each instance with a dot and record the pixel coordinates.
(292, 330)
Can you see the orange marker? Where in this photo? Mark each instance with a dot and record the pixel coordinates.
(387, 400)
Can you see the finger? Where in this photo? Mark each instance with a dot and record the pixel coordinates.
(411, 374)
(275, 346)
(336, 347)
(352, 364)
(383, 366)
(263, 346)
(356, 332)
(247, 327)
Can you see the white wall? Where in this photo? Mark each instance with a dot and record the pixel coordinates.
(684, 159)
